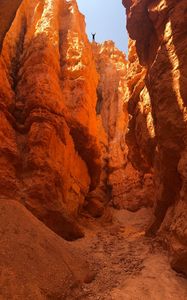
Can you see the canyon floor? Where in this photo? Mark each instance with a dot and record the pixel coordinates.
(125, 264)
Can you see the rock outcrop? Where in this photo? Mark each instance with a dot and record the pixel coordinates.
(62, 119)
(63, 124)
(159, 31)
(50, 156)
(120, 182)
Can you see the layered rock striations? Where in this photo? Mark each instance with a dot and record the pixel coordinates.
(50, 156)
(159, 31)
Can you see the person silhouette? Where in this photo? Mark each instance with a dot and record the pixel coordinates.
(93, 37)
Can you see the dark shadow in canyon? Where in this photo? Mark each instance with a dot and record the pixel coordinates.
(99, 102)
(167, 115)
(170, 131)
(179, 31)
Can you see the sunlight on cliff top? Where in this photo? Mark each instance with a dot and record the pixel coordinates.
(106, 18)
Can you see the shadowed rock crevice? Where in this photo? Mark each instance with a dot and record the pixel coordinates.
(141, 29)
(91, 155)
(16, 59)
(165, 80)
(99, 102)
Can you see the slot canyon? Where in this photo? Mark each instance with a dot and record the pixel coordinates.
(93, 154)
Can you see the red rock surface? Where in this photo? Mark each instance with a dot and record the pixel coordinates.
(50, 155)
(82, 127)
(141, 133)
(125, 186)
(60, 115)
(35, 263)
(159, 31)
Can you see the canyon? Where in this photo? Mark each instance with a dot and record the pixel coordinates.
(93, 154)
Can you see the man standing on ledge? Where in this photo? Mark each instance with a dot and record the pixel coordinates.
(93, 37)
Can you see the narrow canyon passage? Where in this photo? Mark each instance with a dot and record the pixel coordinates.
(93, 154)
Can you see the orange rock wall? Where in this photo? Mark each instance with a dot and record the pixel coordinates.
(141, 133)
(126, 187)
(64, 119)
(159, 31)
(50, 157)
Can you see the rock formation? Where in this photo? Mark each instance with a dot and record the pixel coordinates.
(81, 129)
(159, 89)
(120, 182)
(62, 119)
(50, 157)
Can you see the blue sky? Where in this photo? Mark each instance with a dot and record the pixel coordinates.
(107, 19)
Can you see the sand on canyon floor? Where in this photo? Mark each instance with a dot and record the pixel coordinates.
(125, 264)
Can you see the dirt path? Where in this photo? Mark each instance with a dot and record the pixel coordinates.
(126, 265)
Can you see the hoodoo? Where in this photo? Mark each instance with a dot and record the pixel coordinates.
(92, 154)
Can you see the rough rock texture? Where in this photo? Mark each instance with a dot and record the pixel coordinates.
(141, 134)
(35, 263)
(50, 157)
(8, 10)
(159, 31)
(67, 110)
(125, 186)
(54, 106)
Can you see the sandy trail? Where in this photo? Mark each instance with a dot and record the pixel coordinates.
(126, 265)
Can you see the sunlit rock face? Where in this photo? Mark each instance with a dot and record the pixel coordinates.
(120, 182)
(50, 157)
(159, 31)
(141, 133)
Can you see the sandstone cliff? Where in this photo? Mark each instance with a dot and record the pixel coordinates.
(60, 115)
(50, 157)
(159, 31)
(120, 182)
(50, 119)
(83, 128)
